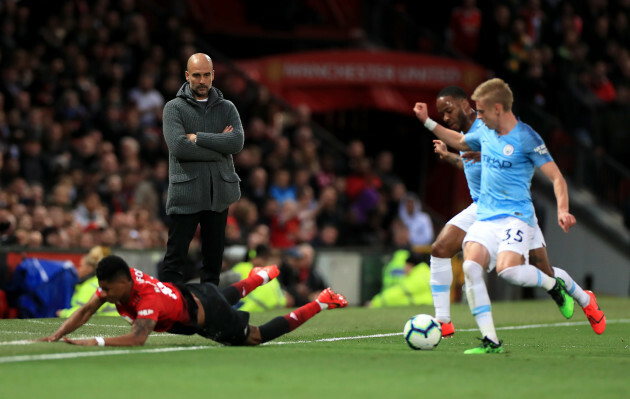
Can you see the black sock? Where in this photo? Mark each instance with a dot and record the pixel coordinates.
(274, 328)
(231, 294)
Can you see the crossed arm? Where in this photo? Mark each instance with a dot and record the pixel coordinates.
(179, 142)
(140, 329)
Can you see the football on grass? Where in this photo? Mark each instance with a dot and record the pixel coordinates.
(422, 332)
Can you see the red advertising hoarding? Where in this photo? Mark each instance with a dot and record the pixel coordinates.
(388, 80)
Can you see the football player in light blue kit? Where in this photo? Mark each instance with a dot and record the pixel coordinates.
(510, 151)
(453, 106)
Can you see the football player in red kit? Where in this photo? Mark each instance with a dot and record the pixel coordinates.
(151, 305)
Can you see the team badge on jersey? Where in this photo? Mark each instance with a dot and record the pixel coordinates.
(508, 150)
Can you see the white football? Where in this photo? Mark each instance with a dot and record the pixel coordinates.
(422, 332)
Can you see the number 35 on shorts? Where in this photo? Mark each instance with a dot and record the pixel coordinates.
(512, 236)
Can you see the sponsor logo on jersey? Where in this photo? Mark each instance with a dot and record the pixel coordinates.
(541, 149)
(508, 150)
(145, 312)
(495, 162)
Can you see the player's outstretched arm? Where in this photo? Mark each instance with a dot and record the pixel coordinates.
(450, 137)
(76, 320)
(138, 336)
(440, 148)
(565, 219)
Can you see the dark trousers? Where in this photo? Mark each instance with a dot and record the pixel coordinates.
(182, 231)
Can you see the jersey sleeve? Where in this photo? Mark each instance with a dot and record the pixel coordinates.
(535, 148)
(473, 139)
(149, 307)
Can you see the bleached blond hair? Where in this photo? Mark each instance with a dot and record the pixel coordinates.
(494, 91)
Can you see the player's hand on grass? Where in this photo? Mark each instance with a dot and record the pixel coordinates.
(50, 338)
(80, 342)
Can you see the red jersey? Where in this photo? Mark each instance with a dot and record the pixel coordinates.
(154, 300)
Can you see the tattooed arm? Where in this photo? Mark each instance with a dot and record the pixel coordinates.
(140, 331)
(440, 148)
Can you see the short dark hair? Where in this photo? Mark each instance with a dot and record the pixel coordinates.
(454, 92)
(112, 267)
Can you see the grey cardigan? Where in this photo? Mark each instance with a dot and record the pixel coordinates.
(201, 174)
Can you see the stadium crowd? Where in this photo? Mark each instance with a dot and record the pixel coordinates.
(83, 161)
(568, 63)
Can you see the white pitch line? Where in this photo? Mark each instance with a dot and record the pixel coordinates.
(74, 355)
(27, 341)
(55, 322)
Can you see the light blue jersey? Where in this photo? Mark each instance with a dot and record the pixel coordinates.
(473, 169)
(508, 164)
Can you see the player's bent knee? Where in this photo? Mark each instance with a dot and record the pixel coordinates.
(443, 249)
(472, 269)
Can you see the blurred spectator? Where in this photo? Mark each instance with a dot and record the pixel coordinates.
(255, 188)
(281, 188)
(327, 237)
(613, 136)
(266, 297)
(463, 28)
(384, 169)
(33, 165)
(82, 90)
(285, 226)
(147, 99)
(329, 210)
(55, 237)
(601, 84)
(89, 214)
(7, 228)
(88, 284)
(298, 276)
(326, 175)
(518, 47)
(535, 19)
(419, 223)
(413, 288)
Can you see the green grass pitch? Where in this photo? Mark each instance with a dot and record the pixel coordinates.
(346, 353)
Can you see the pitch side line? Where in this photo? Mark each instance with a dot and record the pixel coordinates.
(75, 355)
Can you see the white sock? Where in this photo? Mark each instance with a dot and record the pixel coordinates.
(479, 300)
(573, 288)
(264, 276)
(527, 276)
(441, 280)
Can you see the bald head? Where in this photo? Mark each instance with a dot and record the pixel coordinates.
(200, 74)
(199, 59)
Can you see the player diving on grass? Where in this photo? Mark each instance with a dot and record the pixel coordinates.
(505, 223)
(151, 305)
